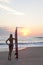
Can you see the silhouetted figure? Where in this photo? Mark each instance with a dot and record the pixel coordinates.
(10, 39)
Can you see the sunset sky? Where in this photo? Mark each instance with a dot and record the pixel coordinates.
(22, 13)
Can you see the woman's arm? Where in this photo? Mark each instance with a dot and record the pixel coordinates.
(6, 41)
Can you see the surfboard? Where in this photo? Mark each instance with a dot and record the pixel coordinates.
(16, 44)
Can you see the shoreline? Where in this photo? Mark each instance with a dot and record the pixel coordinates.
(27, 56)
(20, 48)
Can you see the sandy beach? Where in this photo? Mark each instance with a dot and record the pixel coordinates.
(27, 56)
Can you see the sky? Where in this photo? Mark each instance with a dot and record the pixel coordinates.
(22, 13)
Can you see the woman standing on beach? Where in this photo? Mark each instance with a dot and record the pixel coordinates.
(10, 39)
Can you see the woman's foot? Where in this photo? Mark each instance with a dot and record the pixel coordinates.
(9, 58)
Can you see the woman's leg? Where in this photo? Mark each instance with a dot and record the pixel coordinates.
(10, 52)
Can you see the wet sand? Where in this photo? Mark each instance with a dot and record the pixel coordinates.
(27, 56)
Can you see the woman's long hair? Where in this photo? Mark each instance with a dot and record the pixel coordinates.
(11, 36)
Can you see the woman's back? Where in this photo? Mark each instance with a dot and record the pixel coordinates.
(11, 40)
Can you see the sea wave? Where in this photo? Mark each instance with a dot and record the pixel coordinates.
(24, 43)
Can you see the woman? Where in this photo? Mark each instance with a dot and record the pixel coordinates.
(10, 39)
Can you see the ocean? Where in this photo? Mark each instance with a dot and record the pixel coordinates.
(23, 42)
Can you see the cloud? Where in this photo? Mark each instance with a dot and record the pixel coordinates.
(7, 1)
(4, 31)
(9, 9)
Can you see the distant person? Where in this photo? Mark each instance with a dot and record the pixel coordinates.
(10, 39)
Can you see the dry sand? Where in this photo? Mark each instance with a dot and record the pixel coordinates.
(27, 56)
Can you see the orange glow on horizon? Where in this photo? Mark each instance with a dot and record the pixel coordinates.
(21, 31)
(24, 32)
